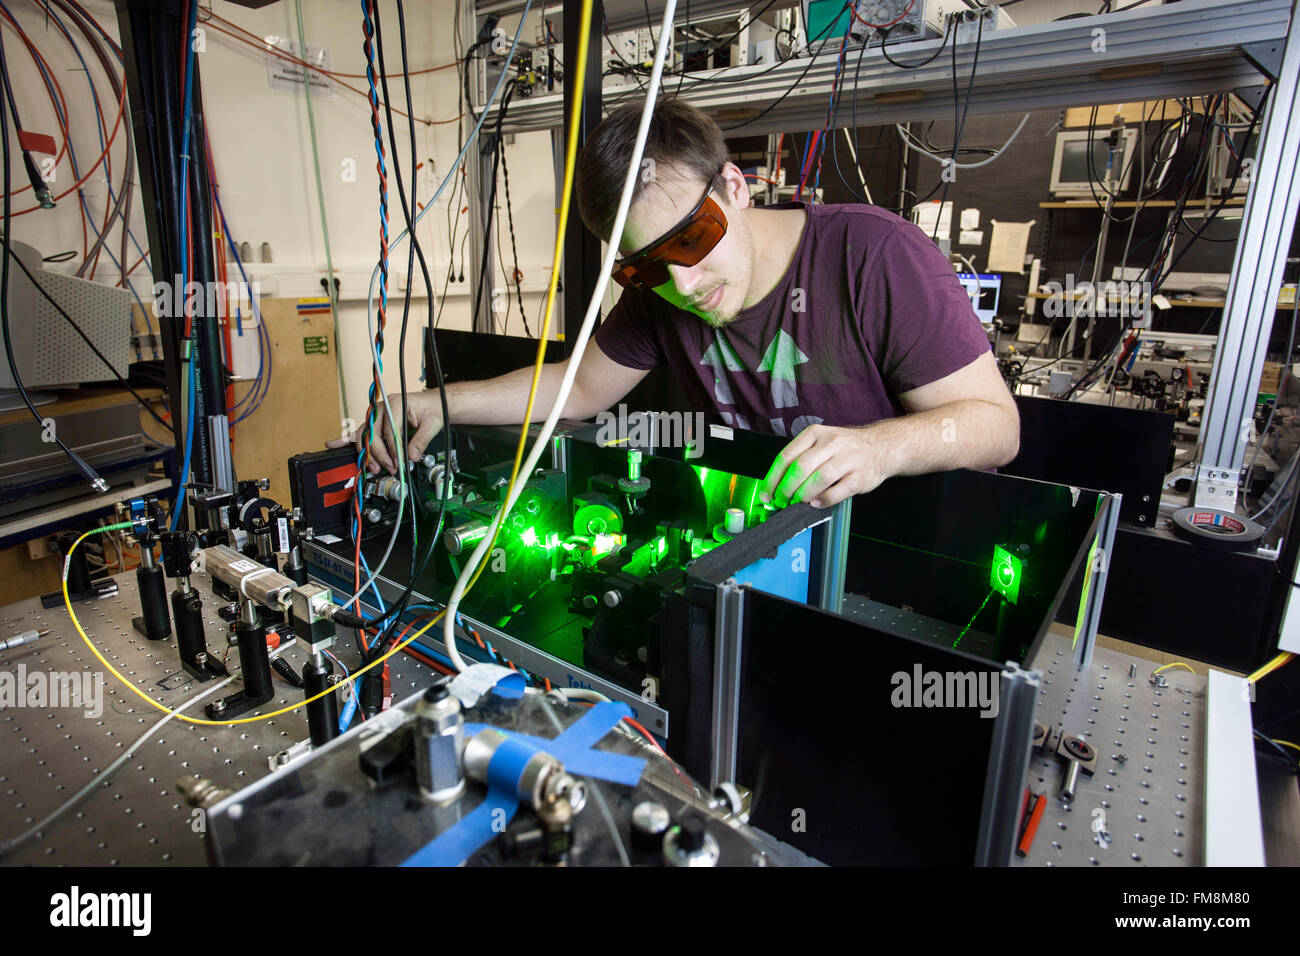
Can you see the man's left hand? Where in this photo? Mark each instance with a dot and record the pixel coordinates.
(824, 465)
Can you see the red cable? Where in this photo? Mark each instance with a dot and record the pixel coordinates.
(654, 743)
(223, 275)
(121, 107)
(59, 102)
(62, 102)
(377, 128)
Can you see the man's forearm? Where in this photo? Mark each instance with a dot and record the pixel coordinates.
(502, 400)
(969, 433)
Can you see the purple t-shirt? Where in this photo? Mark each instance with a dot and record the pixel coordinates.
(869, 308)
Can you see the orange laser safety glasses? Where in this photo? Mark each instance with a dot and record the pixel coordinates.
(684, 245)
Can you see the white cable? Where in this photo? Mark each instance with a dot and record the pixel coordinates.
(858, 166)
(911, 144)
(580, 693)
(8, 846)
(377, 365)
(542, 441)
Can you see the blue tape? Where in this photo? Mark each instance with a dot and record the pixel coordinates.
(507, 764)
(511, 687)
(453, 846)
(573, 748)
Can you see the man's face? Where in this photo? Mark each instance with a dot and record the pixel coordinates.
(715, 287)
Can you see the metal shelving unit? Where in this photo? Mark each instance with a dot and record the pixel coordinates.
(1183, 49)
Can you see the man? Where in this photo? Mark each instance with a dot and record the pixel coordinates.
(842, 327)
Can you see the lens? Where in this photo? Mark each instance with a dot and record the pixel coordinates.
(685, 248)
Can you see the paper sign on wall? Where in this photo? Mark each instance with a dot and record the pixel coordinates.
(1007, 246)
(934, 221)
(285, 76)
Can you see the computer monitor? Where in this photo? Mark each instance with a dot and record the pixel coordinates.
(1226, 147)
(984, 290)
(1071, 173)
(1204, 263)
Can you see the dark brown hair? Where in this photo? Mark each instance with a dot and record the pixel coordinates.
(680, 136)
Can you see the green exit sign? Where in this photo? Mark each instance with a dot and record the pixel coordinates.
(315, 345)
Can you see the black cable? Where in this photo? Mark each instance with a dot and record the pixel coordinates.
(1176, 218)
(649, 23)
(790, 89)
(398, 429)
(884, 42)
(397, 608)
(1125, 170)
(452, 227)
(960, 127)
(721, 43)
(835, 141)
(1290, 760)
(491, 203)
(38, 185)
(514, 249)
(812, 58)
(96, 482)
(481, 287)
(1231, 186)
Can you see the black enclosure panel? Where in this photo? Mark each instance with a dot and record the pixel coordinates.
(835, 768)
(1177, 597)
(926, 544)
(1122, 450)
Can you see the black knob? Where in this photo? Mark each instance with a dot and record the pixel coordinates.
(690, 838)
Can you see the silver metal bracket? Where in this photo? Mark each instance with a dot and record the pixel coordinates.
(1216, 487)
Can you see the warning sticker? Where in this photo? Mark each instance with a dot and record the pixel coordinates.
(286, 76)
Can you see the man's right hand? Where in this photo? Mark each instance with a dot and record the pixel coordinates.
(423, 413)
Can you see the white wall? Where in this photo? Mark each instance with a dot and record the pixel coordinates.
(262, 152)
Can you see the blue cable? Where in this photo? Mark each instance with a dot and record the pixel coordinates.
(350, 705)
(263, 350)
(262, 383)
(185, 194)
(374, 585)
(830, 112)
(451, 172)
(369, 30)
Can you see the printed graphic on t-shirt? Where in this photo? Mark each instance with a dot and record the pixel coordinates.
(780, 360)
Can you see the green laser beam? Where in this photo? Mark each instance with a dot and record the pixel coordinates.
(906, 547)
(972, 618)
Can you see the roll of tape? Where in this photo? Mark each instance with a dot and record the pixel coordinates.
(1217, 530)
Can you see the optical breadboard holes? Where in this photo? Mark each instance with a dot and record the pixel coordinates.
(50, 766)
